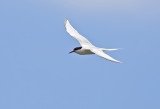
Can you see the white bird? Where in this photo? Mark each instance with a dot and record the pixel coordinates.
(86, 46)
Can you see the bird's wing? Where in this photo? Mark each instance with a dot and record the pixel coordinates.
(99, 52)
(82, 40)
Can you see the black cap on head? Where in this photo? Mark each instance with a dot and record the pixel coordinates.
(77, 48)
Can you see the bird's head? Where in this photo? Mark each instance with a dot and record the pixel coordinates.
(75, 49)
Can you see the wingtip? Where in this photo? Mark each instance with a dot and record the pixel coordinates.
(120, 62)
(65, 21)
(117, 61)
(120, 48)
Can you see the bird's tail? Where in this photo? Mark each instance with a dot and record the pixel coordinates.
(104, 49)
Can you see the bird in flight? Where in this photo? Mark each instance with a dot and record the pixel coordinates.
(86, 46)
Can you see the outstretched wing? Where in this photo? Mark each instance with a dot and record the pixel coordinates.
(82, 40)
(102, 54)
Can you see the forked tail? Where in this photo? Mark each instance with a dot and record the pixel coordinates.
(104, 49)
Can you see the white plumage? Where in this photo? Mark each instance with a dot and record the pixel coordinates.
(87, 47)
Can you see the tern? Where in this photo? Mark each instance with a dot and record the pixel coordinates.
(86, 46)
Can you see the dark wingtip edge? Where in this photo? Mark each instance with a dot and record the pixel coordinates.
(65, 21)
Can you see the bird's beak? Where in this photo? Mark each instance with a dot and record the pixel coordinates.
(71, 52)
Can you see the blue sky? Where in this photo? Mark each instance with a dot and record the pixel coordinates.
(38, 73)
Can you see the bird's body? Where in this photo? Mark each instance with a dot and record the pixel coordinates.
(83, 51)
(86, 46)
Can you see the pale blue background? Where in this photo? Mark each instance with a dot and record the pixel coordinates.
(36, 71)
